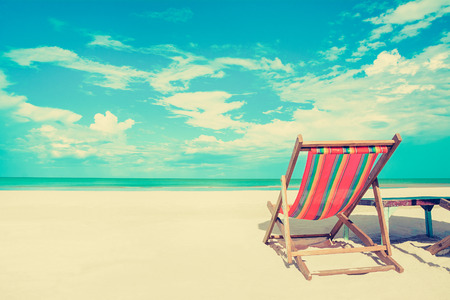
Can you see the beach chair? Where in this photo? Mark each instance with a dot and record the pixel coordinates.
(336, 176)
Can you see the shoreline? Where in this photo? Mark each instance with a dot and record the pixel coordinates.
(183, 184)
(197, 189)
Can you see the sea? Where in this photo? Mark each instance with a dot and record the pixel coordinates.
(180, 184)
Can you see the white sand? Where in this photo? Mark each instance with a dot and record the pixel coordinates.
(195, 245)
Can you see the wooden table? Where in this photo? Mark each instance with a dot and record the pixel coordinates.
(390, 204)
(427, 203)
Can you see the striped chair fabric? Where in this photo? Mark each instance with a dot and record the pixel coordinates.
(332, 180)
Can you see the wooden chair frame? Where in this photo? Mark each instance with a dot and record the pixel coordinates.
(382, 251)
(445, 242)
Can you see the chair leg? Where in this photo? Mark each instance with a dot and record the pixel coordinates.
(273, 220)
(381, 219)
(287, 231)
(367, 241)
(303, 268)
(356, 230)
(441, 245)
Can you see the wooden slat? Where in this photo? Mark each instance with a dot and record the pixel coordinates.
(327, 251)
(297, 147)
(445, 242)
(290, 170)
(274, 212)
(368, 242)
(378, 250)
(271, 207)
(389, 260)
(441, 245)
(303, 268)
(313, 144)
(280, 225)
(287, 232)
(353, 270)
(293, 236)
(445, 203)
(301, 265)
(356, 230)
(381, 219)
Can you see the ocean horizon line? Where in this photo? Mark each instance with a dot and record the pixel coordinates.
(125, 183)
(207, 178)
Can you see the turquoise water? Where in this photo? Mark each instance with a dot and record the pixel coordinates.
(136, 184)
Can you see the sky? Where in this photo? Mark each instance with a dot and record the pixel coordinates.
(219, 89)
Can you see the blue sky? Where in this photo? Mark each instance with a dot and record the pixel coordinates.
(218, 89)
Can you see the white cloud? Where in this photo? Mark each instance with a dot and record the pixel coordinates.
(377, 32)
(214, 102)
(409, 88)
(184, 68)
(219, 74)
(45, 114)
(406, 21)
(384, 99)
(8, 100)
(108, 123)
(59, 135)
(393, 94)
(249, 64)
(364, 47)
(105, 138)
(276, 138)
(411, 30)
(438, 59)
(204, 143)
(333, 53)
(391, 62)
(263, 64)
(205, 109)
(107, 41)
(375, 45)
(23, 111)
(178, 75)
(411, 18)
(345, 107)
(112, 76)
(371, 102)
(277, 110)
(412, 11)
(446, 38)
(25, 57)
(258, 141)
(75, 141)
(354, 59)
(275, 65)
(62, 142)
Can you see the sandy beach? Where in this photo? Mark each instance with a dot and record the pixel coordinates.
(197, 245)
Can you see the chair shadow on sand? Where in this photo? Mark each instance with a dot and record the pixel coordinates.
(401, 230)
